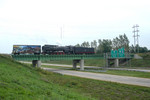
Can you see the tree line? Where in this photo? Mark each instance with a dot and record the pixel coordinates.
(106, 45)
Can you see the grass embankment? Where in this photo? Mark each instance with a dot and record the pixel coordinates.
(88, 62)
(20, 81)
(123, 73)
(145, 62)
(134, 63)
(113, 72)
(129, 73)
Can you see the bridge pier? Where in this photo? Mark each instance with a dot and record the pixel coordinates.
(81, 64)
(78, 61)
(36, 63)
(75, 63)
(116, 62)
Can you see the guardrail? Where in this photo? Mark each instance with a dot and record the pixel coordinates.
(67, 57)
(55, 57)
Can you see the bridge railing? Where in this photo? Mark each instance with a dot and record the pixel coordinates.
(68, 57)
(56, 57)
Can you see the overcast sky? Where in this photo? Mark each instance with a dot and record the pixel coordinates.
(39, 22)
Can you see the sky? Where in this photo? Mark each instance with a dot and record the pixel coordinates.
(69, 22)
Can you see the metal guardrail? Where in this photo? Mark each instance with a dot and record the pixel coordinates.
(66, 57)
(55, 57)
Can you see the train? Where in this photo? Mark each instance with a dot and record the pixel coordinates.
(50, 50)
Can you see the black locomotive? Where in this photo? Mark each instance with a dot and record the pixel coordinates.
(50, 49)
(55, 49)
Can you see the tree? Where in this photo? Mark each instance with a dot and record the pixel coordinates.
(92, 44)
(95, 44)
(104, 46)
(121, 41)
(85, 44)
(141, 49)
(99, 47)
(78, 45)
(131, 49)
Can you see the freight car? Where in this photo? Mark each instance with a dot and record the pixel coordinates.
(26, 49)
(83, 50)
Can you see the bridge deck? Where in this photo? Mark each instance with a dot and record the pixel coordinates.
(67, 57)
(55, 57)
(36, 59)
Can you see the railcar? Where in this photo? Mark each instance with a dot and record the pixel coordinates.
(50, 50)
(54, 49)
(26, 49)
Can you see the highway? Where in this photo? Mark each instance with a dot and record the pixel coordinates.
(62, 65)
(104, 77)
(99, 76)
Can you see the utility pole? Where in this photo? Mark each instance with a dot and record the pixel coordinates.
(61, 32)
(136, 37)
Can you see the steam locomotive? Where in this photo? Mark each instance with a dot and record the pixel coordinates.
(50, 50)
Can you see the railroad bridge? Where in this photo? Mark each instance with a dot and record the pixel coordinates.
(36, 59)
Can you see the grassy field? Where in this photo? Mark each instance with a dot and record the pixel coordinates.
(143, 63)
(22, 82)
(124, 73)
(102, 90)
(88, 62)
(134, 63)
(113, 72)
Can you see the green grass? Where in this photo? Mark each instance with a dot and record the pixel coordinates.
(88, 62)
(143, 63)
(128, 73)
(56, 67)
(113, 72)
(19, 81)
(145, 55)
(95, 62)
(102, 90)
(68, 62)
(140, 63)
(22, 82)
(135, 63)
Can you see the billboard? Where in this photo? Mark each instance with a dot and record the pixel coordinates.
(26, 49)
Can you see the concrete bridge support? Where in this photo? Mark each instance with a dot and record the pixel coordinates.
(36, 63)
(75, 63)
(116, 62)
(78, 61)
(81, 64)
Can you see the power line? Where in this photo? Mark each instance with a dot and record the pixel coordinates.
(61, 32)
(136, 37)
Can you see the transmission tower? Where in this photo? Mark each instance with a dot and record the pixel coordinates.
(136, 37)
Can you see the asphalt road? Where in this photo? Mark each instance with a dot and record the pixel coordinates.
(104, 77)
(62, 65)
(99, 76)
